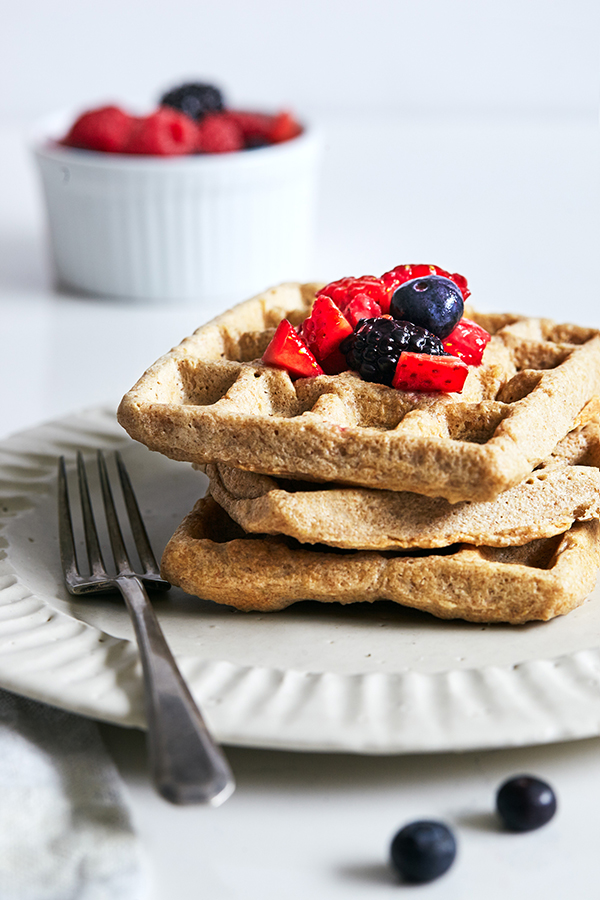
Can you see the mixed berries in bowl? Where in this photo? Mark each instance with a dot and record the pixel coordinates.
(406, 330)
(192, 118)
(196, 201)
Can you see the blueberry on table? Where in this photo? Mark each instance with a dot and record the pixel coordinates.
(434, 303)
(525, 803)
(423, 851)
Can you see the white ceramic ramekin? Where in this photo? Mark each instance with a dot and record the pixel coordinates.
(214, 228)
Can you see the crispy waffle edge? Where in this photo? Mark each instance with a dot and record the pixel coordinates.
(564, 489)
(209, 556)
(210, 399)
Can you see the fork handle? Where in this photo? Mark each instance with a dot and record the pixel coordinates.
(187, 765)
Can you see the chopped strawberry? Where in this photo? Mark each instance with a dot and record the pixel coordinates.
(165, 132)
(284, 128)
(468, 340)
(424, 372)
(361, 307)
(325, 328)
(107, 128)
(395, 277)
(288, 351)
(343, 291)
(334, 363)
(218, 133)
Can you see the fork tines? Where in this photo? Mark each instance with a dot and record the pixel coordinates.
(99, 578)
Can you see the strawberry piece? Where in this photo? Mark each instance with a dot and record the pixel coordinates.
(219, 133)
(343, 291)
(334, 363)
(424, 372)
(361, 307)
(325, 328)
(107, 129)
(165, 132)
(395, 277)
(468, 340)
(284, 128)
(288, 351)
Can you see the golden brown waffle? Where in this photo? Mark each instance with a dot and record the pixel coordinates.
(210, 556)
(564, 489)
(211, 400)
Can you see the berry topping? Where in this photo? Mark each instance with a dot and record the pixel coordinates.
(425, 372)
(334, 363)
(217, 133)
(525, 803)
(395, 277)
(375, 347)
(423, 851)
(325, 328)
(343, 291)
(433, 302)
(467, 341)
(255, 127)
(194, 99)
(288, 351)
(164, 133)
(108, 129)
(361, 307)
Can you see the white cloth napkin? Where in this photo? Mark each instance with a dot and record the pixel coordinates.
(65, 831)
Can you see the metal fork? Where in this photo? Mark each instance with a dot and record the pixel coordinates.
(186, 764)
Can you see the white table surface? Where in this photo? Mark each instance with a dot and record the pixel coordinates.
(514, 206)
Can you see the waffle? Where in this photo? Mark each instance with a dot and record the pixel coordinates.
(211, 400)
(564, 489)
(210, 556)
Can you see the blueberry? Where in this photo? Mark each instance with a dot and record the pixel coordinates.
(434, 303)
(525, 803)
(423, 851)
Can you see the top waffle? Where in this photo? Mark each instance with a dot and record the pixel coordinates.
(211, 400)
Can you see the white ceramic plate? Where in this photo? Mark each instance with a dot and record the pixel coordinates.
(365, 678)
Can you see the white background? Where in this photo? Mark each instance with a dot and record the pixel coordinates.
(476, 57)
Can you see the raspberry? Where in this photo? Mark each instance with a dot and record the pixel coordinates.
(194, 99)
(284, 128)
(376, 345)
(395, 277)
(164, 133)
(218, 133)
(288, 351)
(361, 307)
(343, 291)
(256, 127)
(107, 128)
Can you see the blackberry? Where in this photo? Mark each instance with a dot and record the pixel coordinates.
(374, 347)
(194, 99)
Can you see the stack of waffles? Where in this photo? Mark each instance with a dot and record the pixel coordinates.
(482, 505)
